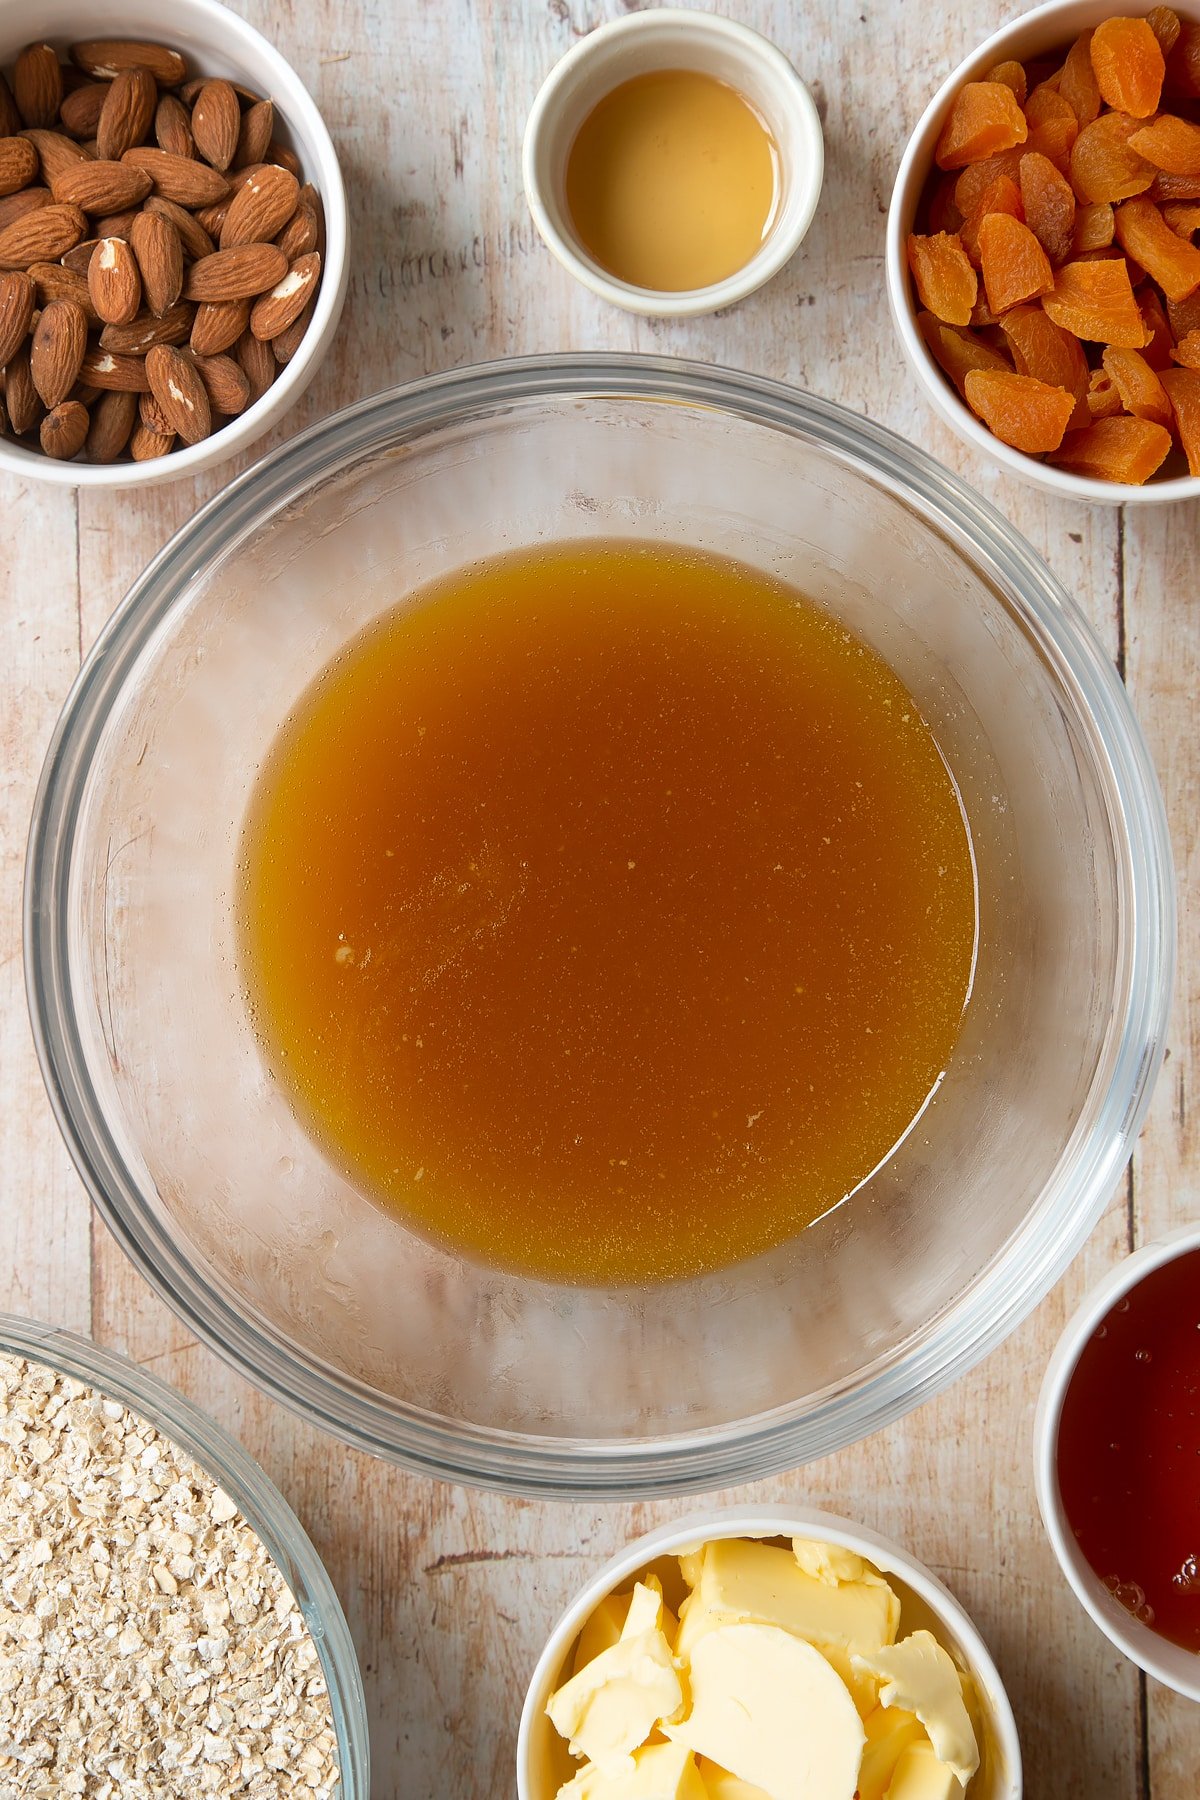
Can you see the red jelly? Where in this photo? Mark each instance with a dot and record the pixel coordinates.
(1129, 1451)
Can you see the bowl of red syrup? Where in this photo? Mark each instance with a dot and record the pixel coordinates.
(1117, 1447)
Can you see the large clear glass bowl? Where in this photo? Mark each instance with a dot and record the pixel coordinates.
(189, 1147)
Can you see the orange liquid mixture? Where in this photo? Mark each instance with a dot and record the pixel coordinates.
(607, 911)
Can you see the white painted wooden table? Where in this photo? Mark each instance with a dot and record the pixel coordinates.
(449, 1593)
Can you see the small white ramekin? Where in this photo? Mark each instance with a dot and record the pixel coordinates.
(924, 1604)
(1047, 28)
(1169, 1663)
(215, 41)
(668, 38)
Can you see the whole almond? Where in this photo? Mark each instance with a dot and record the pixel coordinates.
(212, 218)
(225, 382)
(37, 85)
(172, 128)
(192, 235)
(299, 235)
(81, 109)
(140, 334)
(190, 90)
(54, 282)
(64, 430)
(118, 224)
(258, 363)
(20, 395)
(159, 255)
(176, 385)
(254, 135)
(17, 294)
(108, 369)
(216, 123)
(152, 415)
(40, 236)
(10, 118)
(56, 350)
(107, 57)
(188, 183)
(15, 206)
(127, 112)
(18, 164)
(101, 187)
(56, 152)
(261, 207)
(286, 343)
(236, 274)
(145, 445)
(279, 308)
(218, 324)
(114, 281)
(287, 159)
(85, 393)
(113, 418)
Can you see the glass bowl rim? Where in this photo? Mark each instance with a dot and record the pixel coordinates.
(578, 1468)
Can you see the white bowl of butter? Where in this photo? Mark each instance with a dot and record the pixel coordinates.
(766, 1654)
(673, 161)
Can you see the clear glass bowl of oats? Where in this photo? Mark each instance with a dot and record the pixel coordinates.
(166, 1626)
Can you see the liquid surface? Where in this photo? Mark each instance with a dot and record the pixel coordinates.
(671, 181)
(608, 912)
(1129, 1451)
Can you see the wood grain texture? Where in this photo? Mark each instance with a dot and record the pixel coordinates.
(450, 1593)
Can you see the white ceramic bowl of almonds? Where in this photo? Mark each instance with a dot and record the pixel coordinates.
(242, 386)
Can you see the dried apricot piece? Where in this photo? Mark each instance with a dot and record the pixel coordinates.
(1142, 393)
(1012, 74)
(1165, 25)
(1053, 127)
(1143, 233)
(1183, 385)
(1187, 351)
(1118, 449)
(946, 282)
(1174, 187)
(1049, 204)
(1183, 64)
(1183, 216)
(973, 183)
(984, 118)
(1094, 227)
(1103, 396)
(1103, 167)
(1044, 350)
(1184, 316)
(1028, 414)
(1015, 267)
(1004, 196)
(956, 351)
(1095, 300)
(982, 316)
(1077, 83)
(1159, 338)
(1169, 143)
(1129, 66)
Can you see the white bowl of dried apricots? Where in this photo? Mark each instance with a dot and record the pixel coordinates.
(1042, 266)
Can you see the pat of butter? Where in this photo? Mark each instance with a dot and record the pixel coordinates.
(921, 1776)
(890, 1730)
(746, 1581)
(657, 1772)
(832, 1564)
(616, 1700)
(918, 1675)
(719, 1784)
(770, 1709)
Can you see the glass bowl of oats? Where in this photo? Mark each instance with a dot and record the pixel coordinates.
(166, 1627)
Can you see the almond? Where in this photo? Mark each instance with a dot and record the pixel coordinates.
(101, 187)
(40, 236)
(286, 343)
(287, 159)
(37, 85)
(107, 57)
(18, 164)
(15, 206)
(79, 256)
(258, 122)
(261, 207)
(152, 415)
(172, 128)
(187, 183)
(118, 224)
(10, 118)
(300, 234)
(225, 383)
(176, 385)
(218, 324)
(56, 153)
(128, 110)
(216, 123)
(159, 253)
(80, 111)
(64, 430)
(192, 235)
(258, 363)
(113, 418)
(145, 445)
(108, 369)
(54, 282)
(140, 334)
(20, 395)
(275, 311)
(212, 218)
(236, 274)
(114, 282)
(17, 295)
(56, 350)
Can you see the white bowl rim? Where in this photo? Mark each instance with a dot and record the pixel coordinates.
(781, 1521)
(910, 179)
(1154, 1654)
(298, 112)
(780, 246)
